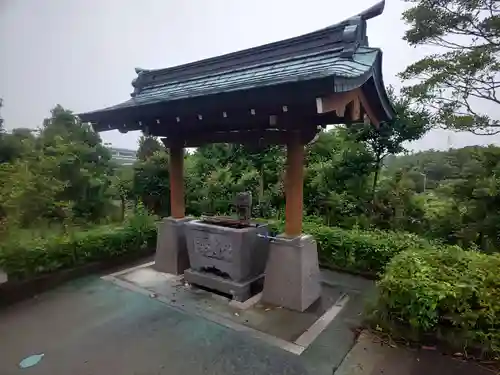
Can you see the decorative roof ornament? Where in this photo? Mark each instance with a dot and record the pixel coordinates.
(139, 71)
(355, 31)
(372, 12)
(137, 82)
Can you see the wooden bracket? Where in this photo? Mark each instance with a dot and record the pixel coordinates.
(339, 102)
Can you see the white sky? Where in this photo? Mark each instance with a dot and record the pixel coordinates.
(82, 53)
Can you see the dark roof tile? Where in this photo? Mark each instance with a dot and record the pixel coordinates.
(340, 51)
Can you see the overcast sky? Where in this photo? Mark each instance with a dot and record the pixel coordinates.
(82, 53)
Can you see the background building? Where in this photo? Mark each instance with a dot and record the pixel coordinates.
(123, 156)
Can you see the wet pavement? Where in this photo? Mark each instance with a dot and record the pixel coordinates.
(93, 326)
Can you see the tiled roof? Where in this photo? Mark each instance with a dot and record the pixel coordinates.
(340, 51)
(288, 70)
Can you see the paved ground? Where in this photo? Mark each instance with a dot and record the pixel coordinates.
(372, 357)
(92, 326)
(278, 324)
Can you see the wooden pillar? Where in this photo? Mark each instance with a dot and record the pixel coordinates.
(294, 186)
(177, 182)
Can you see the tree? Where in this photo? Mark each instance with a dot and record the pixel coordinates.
(461, 204)
(389, 138)
(148, 146)
(2, 130)
(335, 183)
(3, 143)
(465, 77)
(16, 144)
(151, 183)
(122, 187)
(30, 190)
(84, 163)
(265, 163)
(219, 171)
(396, 207)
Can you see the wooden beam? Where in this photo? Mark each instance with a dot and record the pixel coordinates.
(294, 185)
(177, 205)
(261, 137)
(335, 102)
(338, 102)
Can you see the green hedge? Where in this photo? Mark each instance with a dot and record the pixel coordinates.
(30, 258)
(365, 252)
(445, 294)
(355, 250)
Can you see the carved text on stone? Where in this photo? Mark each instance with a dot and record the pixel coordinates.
(214, 246)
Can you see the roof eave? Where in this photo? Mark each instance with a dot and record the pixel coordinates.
(381, 90)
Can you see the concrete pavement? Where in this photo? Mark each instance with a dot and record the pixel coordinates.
(370, 356)
(94, 327)
(91, 326)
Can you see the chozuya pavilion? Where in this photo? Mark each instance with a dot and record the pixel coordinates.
(278, 93)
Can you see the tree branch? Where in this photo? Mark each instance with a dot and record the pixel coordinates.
(472, 21)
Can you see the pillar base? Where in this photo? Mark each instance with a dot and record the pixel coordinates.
(171, 249)
(292, 276)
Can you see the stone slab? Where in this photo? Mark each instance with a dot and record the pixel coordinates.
(292, 273)
(171, 250)
(274, 321)
(239, 291)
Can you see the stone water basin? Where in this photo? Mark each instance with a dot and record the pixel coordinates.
(225, 252)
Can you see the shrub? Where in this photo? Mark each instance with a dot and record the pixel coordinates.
(39, 255)
(357, 250)
(448, 294)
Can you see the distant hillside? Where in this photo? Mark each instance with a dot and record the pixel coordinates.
(439, 166)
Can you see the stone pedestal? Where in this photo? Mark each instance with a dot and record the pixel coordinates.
(171, 250)
(292, 273)
(3, 277)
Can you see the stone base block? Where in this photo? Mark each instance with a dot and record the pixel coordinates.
(292, 273)
(171, 250)
(3, 277)
(240, 291)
